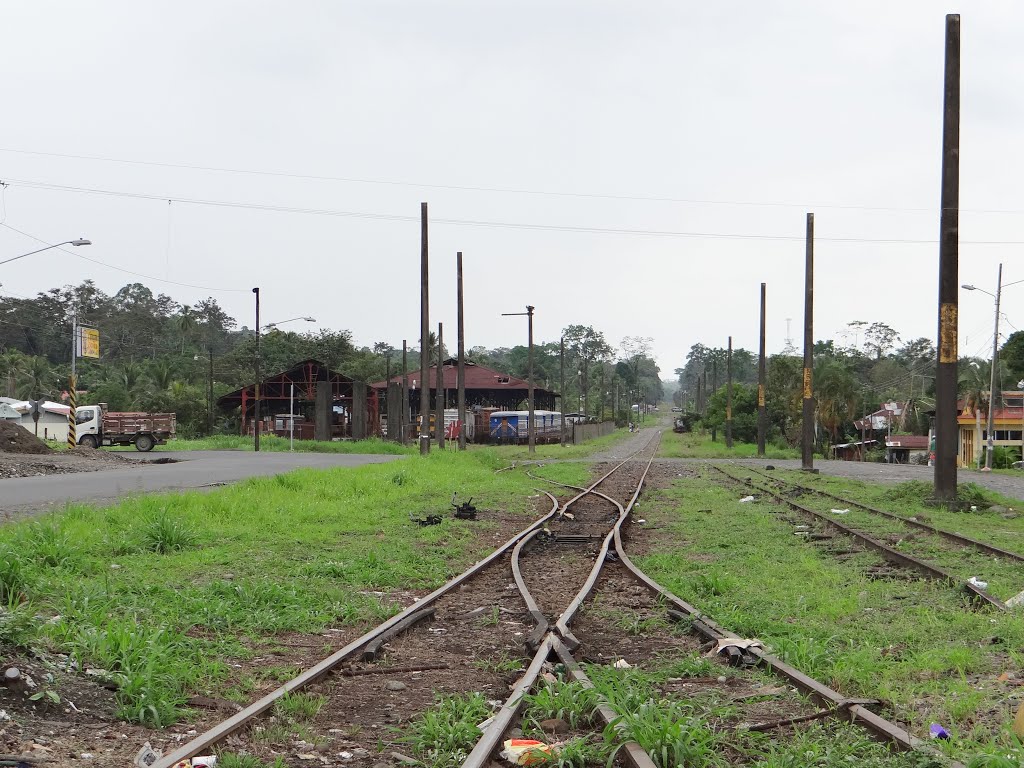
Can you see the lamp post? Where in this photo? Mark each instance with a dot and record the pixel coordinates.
(256, 386)
(79, 241)
(268, 326)
(989, 446)
(530, 428)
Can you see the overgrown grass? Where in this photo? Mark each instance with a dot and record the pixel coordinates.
(917, 644)
(275, 443)
(698, 445)
(163, 591)
(444, 735)
(510, 453)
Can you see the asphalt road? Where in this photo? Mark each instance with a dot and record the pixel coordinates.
(191, 470)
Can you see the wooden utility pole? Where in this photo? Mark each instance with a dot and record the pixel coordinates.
(946, 428)
(439, 391)
(424, 435)
(256, 411)
(405, 392)
(807, 442)
(533, 426)
(762, 368)
(561, 385)
(728, 396)
(462, 356)
(714, 391)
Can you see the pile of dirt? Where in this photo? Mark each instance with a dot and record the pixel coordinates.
(16, 439)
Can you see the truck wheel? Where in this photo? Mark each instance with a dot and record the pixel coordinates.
(89, 441)
(144, 443)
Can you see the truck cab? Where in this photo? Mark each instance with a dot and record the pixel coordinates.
(89, 425)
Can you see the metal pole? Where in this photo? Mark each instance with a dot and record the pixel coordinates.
(72, 439)
(210, 398)
(561, 385)
(462, 356)
(807, 441)
(256, 400)
(992, 398)
(762, 378)
(291, 418)
(714, 391)
(532, 426)
(405, 392)
(424, 337)
(728, 396)
(439, 389)
(946, 427)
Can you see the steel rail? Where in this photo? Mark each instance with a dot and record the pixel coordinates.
(710, 630)
(561, 640)
(207, 739)
(959, 538)
(898, 558)
(204, 741)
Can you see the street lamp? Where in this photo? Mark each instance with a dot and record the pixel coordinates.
(530, 428)
(256, 386)
(268, 326)
(989, 447)
(79, 241)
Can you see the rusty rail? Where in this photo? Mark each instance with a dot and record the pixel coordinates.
(927, 570)
(959, 538)
(204, 741)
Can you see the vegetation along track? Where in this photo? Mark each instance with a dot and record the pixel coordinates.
(904, 546)
(468, 637)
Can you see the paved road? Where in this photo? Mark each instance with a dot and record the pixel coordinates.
(193, 469)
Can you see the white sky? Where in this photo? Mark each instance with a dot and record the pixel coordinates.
(803, 105)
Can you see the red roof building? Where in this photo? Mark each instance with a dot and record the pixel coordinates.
(485, 387)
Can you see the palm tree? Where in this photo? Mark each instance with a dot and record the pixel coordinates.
(836, 392)
(38, 379)
(161, 373)
(185, 324)
(974, 385)
(129, 376)
(11, 364)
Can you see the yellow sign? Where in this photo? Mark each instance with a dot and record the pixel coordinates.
(807, 384)
(947, 333)
(760, 395)
(90, 342)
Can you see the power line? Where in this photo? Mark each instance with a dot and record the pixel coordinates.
(460, 188)
(122, 269)
(471, 222)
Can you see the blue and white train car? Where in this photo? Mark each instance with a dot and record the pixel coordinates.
(511, 426)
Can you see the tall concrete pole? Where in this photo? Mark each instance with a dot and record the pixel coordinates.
(946, 427)
(807, 440)
(993, 399)
(533, 427)
(462, 355)
(424, 336)
(561, 385)
(439, 399)
(728, 396)
(762, 368)
(405, 392)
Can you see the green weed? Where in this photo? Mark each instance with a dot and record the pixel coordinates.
(444, 735)
(568, 701)
(164, 532)
(670, 733)
(299, 706)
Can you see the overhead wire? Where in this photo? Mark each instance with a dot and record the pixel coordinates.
(498, 190)
(122, 269)
(481, 223)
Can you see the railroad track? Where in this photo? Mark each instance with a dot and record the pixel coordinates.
(557, 563)
(903, 551)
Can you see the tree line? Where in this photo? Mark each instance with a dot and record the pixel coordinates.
(854, 375)
(156, 355)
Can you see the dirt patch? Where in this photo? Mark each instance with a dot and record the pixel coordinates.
(80, 459)
(16, 439)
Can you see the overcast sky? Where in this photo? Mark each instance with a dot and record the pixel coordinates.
(701, 119)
